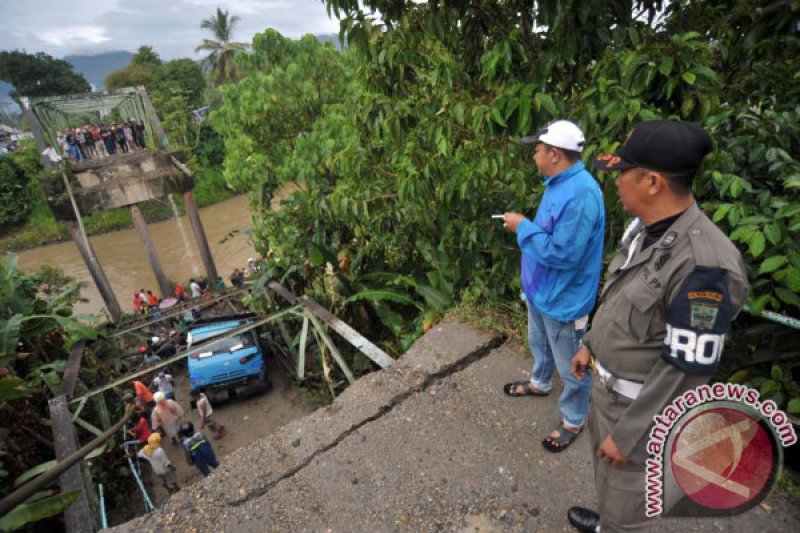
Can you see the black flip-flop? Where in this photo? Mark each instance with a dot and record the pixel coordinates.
(562, 442)
(511, 389)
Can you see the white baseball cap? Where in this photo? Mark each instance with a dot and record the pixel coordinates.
(561, 134)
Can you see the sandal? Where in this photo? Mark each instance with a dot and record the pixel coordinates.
(562, 441)
(527, 389)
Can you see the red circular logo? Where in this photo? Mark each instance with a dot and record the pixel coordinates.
(722, 458)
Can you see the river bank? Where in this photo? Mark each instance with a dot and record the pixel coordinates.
(43, 229)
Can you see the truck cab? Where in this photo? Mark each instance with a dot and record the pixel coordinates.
(232, 366)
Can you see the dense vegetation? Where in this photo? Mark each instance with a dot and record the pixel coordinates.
(36, 331)
(15, 194)
(403, 146)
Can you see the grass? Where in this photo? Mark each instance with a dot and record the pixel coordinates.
(789, 488)
(42, 228)
(507, 318)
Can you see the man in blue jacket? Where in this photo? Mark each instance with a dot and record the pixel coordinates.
(562, 250)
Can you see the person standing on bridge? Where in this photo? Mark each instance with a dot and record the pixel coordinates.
(119, 133)
(562, 250)
(671, 293)
(139, 130)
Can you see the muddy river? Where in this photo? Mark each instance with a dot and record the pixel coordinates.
(125, 262)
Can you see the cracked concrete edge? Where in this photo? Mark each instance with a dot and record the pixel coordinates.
(252, 470)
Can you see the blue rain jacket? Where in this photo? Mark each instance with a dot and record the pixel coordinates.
(562, 249)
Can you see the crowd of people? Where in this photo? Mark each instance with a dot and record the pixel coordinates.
(95, 141)
(145, 302)
(158, 415)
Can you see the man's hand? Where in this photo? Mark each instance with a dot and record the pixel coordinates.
(610, 454)
(580, 362)
(511, 221)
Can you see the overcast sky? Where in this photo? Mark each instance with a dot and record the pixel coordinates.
(171, 27)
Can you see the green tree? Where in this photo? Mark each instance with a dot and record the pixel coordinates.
(16, 200)
(145, 56)
(39, 74)
(185, 74)
(142, 70)
(221, 49)
(396, 151)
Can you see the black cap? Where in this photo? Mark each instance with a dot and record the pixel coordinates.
(186, 429)
(671, 146)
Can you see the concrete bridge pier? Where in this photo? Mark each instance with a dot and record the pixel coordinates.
(93, 265)
(139, 223)
(200, 236)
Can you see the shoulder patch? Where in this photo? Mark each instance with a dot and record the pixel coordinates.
(697, 320)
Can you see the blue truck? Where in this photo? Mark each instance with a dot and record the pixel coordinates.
(232, 366)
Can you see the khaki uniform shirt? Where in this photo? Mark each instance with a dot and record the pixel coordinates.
(663, 315)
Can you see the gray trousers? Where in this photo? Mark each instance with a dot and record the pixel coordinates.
(212, 424)
(620, 491)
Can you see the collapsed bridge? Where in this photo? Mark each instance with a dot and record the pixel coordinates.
(125, 180)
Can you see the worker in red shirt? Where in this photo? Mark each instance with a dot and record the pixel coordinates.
(180, 292)
(152, 300)
(141, 432)
(143, 392)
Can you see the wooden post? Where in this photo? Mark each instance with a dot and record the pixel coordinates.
(158, 131)
(141, 228)
(78, 516)
(99, 277)
(200, 236)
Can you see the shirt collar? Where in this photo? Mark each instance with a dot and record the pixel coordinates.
(565, 174)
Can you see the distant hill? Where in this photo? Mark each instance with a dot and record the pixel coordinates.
(95, 68)
(332, 37)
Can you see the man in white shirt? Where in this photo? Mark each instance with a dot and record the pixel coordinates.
(51, 154)
(164, 383)
(195, 288)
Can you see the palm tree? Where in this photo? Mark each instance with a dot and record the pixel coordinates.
(221, 51)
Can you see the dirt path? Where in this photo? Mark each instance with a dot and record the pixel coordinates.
(245, 420)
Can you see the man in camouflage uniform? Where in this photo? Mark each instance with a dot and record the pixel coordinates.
(670, 295)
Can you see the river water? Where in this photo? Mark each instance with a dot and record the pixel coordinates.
(125, 261)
